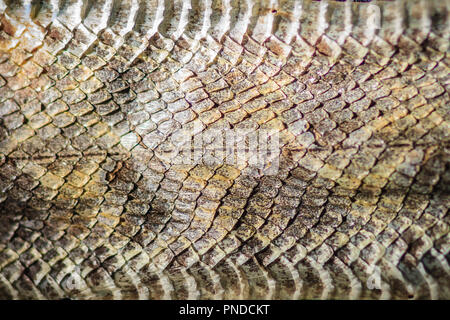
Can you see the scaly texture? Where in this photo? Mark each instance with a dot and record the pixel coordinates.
(91, 90)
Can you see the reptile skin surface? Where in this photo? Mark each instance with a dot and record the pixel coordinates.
(357, 93)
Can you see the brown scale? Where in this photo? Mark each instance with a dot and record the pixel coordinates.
(361, 190)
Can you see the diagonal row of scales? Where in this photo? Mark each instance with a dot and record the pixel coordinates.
(218, 149)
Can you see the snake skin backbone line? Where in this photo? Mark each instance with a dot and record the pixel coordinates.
(343, 194)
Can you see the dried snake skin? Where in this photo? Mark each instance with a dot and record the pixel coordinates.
(357, 92)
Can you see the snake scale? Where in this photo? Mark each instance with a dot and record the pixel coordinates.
(357, 93)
